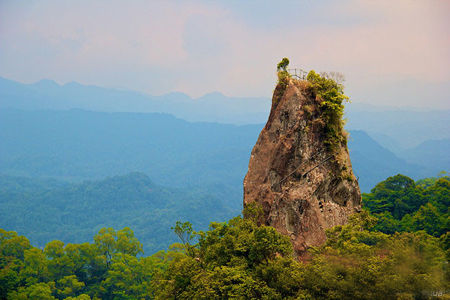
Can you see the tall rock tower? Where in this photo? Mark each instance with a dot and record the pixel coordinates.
(300, 170)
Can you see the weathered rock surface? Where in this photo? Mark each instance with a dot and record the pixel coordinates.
(303, 186)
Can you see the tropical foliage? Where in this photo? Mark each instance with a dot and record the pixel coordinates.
(331, 97)
(400, 204)
(283, 79)
(74, 212)
(236, 259)
(239, 259)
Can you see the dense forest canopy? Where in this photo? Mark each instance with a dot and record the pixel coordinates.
(365, 259)
(400, 204)
(75, 212)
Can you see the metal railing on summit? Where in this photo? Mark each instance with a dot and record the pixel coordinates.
(299, 73)
(302, 74)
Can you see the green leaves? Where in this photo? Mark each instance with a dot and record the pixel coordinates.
(186, 235)
(13, 245)
(39, 291)
(108, 268)
(267, 243)
(69, 285)
(400, 204)
(229, 262)
(283, 80)
(127, 243)
(331, 97)
(109, 242)
(359, 264)
(239, 259)
(283, 64)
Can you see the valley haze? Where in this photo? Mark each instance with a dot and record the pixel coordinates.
(75, 140)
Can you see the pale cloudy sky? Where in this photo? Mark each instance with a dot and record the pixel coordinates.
(391, 52)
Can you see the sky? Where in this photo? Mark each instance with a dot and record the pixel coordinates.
(394, 53)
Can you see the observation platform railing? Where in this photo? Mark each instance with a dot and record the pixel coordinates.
(299, 73)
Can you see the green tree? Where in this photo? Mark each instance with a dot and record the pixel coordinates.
(12, 244)
(129, 277)
(402, 205)
(429, 219)
(59, 264)
(356, 263)
(68, 286)
(38, 291)
(36, 267)
(109, 242)
(12, 254)
(283, 64)
(387, 224)
(331, 96)
(79, 297)
(186, 235)
(283, 80)
(233, 260)
(9, 278)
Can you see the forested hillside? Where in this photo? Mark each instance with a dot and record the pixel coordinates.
(238, 259)
(400, 204)
(78, 145)
(45, 210)
(189, 166)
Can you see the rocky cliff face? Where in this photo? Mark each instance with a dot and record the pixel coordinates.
(303, 186)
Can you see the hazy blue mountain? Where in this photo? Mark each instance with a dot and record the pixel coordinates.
(394, 128)
(77, 145)
(387, 142)
(431, 153)
(46, 210)
(399, 129)
(373, 163)
(202, 166)
(213, 107)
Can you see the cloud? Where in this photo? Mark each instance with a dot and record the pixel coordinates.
(233, 47)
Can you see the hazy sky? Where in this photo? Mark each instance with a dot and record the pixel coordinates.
(391, 52)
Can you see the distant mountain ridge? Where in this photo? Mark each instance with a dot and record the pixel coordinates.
(78, 145)
(73, 212)
(395, 128)
(400, 129)
(369, 157)
(192, 171)
(212, 107)
(430, 153)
